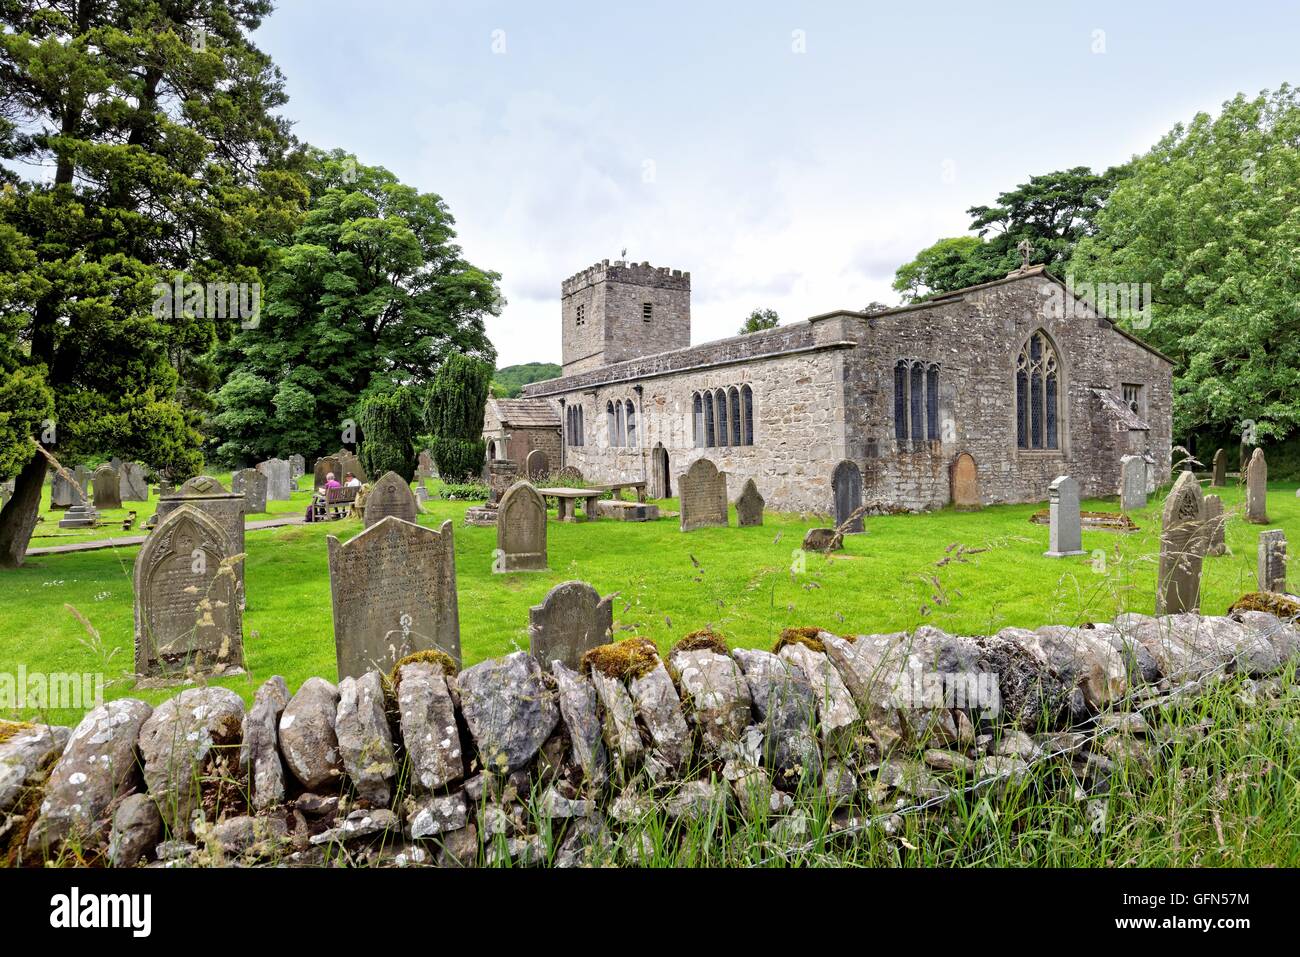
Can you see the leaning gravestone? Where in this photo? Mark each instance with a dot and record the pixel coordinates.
(210, 497)
(536, 465)
(108, 490)
(1271, 570)
(571, 620)
(1216, 526)
(1132, 483)
(1065, 534)
(521, 531)
(390, 496)
(1257, 489)
(132, 484)
(1220, 478)
(702, 491)
(846, 489)
(965, 483)
(253, 485)
(187, 610)
(393, 591)
(749, 506)
(63, 492)
(1183, 541)
(279, 479)
(327, 465)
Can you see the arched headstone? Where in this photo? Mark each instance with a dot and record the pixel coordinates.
(1256, 489)
(391, 496)
(749, 506)
(108, 489)
(1220, 473)
(536, 465)
(326, 465)
(570, 473)
(846, 490)
(1184, 538)
(965, 482)
(703, 493)
(521, 530)
(569, 622)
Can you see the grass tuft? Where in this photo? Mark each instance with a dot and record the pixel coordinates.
(800, 636)
(10, 728)
(1271, 602)
(433, 656)
(624, 660)
(705, 639)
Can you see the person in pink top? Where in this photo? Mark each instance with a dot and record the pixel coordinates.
(316, 508)
(331, 481)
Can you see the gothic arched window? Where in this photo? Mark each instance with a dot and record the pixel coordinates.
(631, 423)
(611, 424)
(932, 402)
(747, 402)
(918, 403)
(709, 439)
(1038, 373)
(900, 401)
(733, 400)
(697, 419)
(723, 436)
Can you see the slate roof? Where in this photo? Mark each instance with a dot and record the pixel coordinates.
(1120, 410)
(525, 413)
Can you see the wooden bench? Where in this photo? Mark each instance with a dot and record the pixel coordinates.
(336, 504)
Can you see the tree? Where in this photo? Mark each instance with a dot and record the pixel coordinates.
(759, 320)
(453, 414)
(1210, 217)
(509, 382)
(371, 291)
(156, 121)
(939, 268)
(390, 422)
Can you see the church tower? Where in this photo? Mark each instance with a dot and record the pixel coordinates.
(618, 311)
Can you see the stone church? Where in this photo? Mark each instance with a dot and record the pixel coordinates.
(978, 396)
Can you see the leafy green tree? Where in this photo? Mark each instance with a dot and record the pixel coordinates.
(1210, 217)
(759, 320)
(453, 414)
(939, 268)
(156, 123)
(390, 425)
(371, 291)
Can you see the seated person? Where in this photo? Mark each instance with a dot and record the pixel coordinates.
(352, 481)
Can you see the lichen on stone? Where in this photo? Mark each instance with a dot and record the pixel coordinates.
(706, 639)
(624, 660)
(10, 728)
(1275, 604)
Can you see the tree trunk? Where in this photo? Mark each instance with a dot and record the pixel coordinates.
(18, 517)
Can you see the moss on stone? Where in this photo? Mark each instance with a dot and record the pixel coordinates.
(1271, 602)
(433, 656)
(10, 728)
(624, 660)
(703, 640)
(800, 636)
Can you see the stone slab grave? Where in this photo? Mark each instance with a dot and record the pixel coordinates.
(297, 469)
(108, 490)
(521, 531)
(621, 511)
(390, 496)
(1132, 483)
(537, 466)
(1065, 535)
(571, 620)
(702, 490)
(964, 482)
(1220, 469)
(79, 516)
(187, 610)
(393, 592)
(749, 505)
(1257, 489)
(253, 485)
(132, 484)
(1216, 526)
(279, 479)
(1184, 538)
(846, 493)
(1271, 566)
(209, 496)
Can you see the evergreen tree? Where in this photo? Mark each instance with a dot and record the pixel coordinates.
(453, 415)
(390, 423)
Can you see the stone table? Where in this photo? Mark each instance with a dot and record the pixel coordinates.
(567, 501)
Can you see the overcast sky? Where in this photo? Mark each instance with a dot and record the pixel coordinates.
(789, 155)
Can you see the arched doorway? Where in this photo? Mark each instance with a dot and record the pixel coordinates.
(661, 485)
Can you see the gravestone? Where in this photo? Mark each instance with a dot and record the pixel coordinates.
(1132, 483)
(1220, 478)
(187, 609)
(210, 497)
(132, 484)
(327, 465)
(279, 479)
(297, 469)
(570, 474)
(421, 493)
(536, 465)
(393, 592)
(1183, 542)
(79, 516)
(390, 496)
(846, 490)
(502, 474)
(425, 469)
(348, 462)
(749, 506)
(571, 620)
(1065, 536)
(965, 483)
(521, 531)
(1257, 489)
(1216, 526)
(1271, 568)
(64, 491)
(702, 490)
(108, 490)
(253, 485)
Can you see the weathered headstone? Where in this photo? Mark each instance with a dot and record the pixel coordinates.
(66, 489)
(501, 475)
(391, 496)
(1271, 569)
(187, 612)
(393, 590)
(570, 474)
(571, 620)
(702, 490)
(965, 482)
(279, 479)
(846, 490)
(537, 466)
(348, 462)
(132, 484)
(210, 497)
(254, 486)
(1220, 478)
(749, 506)
(297, 469)
(1065, 535)
(1132, 483)
(108, 491)
(1183, 541)
(521, 531)
(421, 493)
(1216, 526)
(1257, 489)
(327, 465)
(424, 469)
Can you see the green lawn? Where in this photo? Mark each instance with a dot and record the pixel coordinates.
(971, 572)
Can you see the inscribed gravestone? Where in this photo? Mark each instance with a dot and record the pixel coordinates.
(1216, 526)
(348, 462)
(390, 496)
(702, 490)
(571, 620)
(536, 465)
(749, 506)
(187, 612)
(1257, 489)
(521, 530)
(1183, 541)
(965, 482)
(108, 491)
(846, 490)
(279, 479)
(253, 485)
(1066, 530)
(1271, 569)
(393, 592)
(1220, 469)
(132, 484)
(327, 465)
(1132, 483)
(210, 497)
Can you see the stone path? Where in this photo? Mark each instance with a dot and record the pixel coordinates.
(126, 540)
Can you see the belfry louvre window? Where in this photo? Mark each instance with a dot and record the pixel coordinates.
(1038, 374)
(723, 417)
(916, 401)
(580, 315)
(647, 311)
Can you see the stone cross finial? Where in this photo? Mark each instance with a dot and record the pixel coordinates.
(1026, 249)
